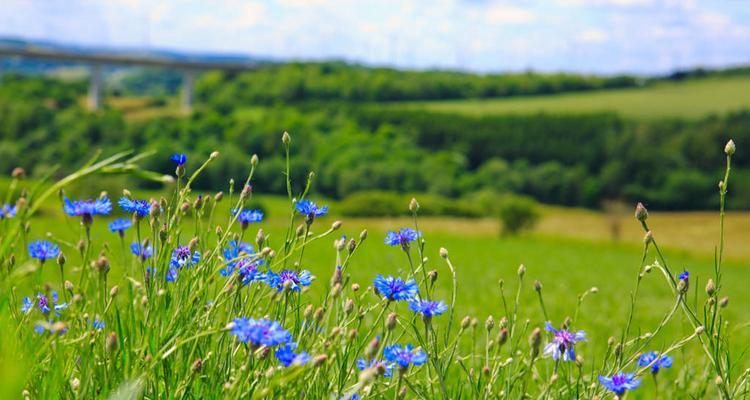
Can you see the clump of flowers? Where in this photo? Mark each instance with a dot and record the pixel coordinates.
(260, 332)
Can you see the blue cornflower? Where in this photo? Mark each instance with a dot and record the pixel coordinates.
(387, 368)
(181, 257)
(296, 279)
(685, 275)
(44, 303)
(684, 281)
(395, 288)
(260, 332)
(179, 158)
(43, 250)
(286, 355)
(658, 362)
(233, 254)
(87, 208)
(620, 382)
(171, 274)
(144, 252)
(246, 217)
(8, 211)
(402, 237)
(141, 208)
(428, 308)
(405, 356)
(563, 343)
(310, 210)
(97, 324)
(120, 225)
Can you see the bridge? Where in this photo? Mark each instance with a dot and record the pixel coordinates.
(97, 61)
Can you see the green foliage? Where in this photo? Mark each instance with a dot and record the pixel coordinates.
(517, 214)
(391, 204)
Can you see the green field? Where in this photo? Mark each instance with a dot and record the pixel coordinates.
(691, 100)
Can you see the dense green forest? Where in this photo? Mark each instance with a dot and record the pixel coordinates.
(575, 160)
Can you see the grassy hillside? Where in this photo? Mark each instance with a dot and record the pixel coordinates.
(691, 99)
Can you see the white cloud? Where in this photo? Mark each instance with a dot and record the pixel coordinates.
(506, 14)
(592, 36)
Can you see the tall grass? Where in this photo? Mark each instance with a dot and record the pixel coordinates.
(212, 307)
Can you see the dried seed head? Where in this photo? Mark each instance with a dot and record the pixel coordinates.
(641, 214)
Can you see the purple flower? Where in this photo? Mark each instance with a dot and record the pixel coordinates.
(182, 257)
(141, 208)
(44, 303)
(286, 355)
(402, 237)
(310, 210)
(87, 208)
(43, 250)
(395, 288)
(387, 367)
(620, 382)
(563, 343)
(120, 225)
(296, 279)
(652, 358)
(259, 332)
(7, 211)
(428, 308)
(405, 356)
(179, 158)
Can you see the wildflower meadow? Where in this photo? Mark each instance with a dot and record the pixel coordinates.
(192, 295)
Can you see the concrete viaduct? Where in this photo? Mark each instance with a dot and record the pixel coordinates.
(97, 60)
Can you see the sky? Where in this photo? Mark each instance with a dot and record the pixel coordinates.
(589, 36)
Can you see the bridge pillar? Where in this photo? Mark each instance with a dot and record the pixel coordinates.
(188, 81)
(95, 87)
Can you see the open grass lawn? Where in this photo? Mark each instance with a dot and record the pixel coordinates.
(691, 99)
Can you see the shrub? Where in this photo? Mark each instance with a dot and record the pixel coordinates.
(391, 204)
(517, 213)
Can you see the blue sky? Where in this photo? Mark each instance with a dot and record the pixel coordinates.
(600, 36)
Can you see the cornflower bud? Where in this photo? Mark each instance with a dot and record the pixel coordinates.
(641, 214)
(336, 225)
(489, 323)
(502, 337)
(724, 302)
(352, 245)
(432, 275)
(111, 343)
(699, 329)
(61, 259)
(113, 292)
(537, 286)
(535, 340)
(443, 252)
(348, 306)
(319, 314)
(353, 333)
(355, 287)
(648, 237)
(363, 235)
(285, 138)
(413, 205)
(18, 173)
(730, 148)
(465, 322)
(391, 320)
(710, 287)
(185, 207)
(372, 348)
(521, 270)
(69, 286)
